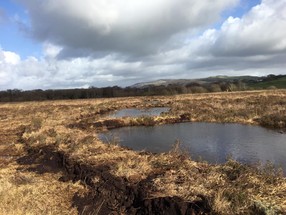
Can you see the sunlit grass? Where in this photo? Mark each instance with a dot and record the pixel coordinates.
(71, 128)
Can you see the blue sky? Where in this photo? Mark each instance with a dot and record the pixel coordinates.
(102, 43)
(13, 38)
(242, 8)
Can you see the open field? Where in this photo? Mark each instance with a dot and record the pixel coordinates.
(52, 161)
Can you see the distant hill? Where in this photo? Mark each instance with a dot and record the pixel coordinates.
(166, 82)
(220, 78)
(278, 82)
(201, 81)
(159, 87)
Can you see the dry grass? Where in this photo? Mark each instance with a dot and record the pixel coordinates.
(265, 108)
(71, 127)
(30, 193)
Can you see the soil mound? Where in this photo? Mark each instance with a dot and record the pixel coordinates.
(108, 194)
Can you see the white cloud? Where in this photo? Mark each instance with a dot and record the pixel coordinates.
(50, 50)
(130, 27)
(256, 41)
(125, 45)
(9, 57)
(6, 67)
(260, 32)
(47, 73)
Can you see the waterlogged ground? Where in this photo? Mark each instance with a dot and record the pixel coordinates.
(212, 142)
(52, 161)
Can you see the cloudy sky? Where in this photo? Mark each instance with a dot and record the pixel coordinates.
(69, 43)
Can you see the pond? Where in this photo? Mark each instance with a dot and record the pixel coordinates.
(212, 142)
(133, 112)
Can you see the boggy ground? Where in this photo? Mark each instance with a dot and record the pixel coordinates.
(52, 161)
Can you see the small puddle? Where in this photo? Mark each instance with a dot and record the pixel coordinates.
(212, 142)
(133, 112)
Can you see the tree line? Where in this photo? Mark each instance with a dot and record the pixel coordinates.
(17, 95)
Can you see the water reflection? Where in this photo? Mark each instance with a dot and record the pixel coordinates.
(212, 142)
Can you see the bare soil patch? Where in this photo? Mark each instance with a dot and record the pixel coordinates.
(108, 193)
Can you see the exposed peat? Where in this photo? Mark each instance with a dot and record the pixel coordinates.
(108, 193)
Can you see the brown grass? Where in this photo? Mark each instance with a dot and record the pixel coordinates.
(30, 193)
(71, 127)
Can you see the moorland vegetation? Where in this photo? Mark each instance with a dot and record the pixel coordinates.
(52, 161)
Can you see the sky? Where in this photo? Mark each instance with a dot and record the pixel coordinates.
(56, 44)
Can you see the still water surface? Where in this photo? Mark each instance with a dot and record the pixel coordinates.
(133, 112)
(212, 142)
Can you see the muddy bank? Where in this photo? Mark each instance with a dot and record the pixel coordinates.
(108, 124)
(274, 121)
(108, 193)
(9, 151)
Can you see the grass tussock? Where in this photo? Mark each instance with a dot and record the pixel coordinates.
(29, 193)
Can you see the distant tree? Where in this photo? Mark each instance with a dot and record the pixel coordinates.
(214, 88)
(271, 77)
(200, 89)
(240, 85)
(228, 87)
(193, 84)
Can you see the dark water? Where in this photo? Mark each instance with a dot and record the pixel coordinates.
(212, 142)
(132, 112)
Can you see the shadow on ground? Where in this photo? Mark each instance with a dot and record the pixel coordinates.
(107, 194)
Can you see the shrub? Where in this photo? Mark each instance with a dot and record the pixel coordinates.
(197, 89)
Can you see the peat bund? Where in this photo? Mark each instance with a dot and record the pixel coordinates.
(108, 193)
